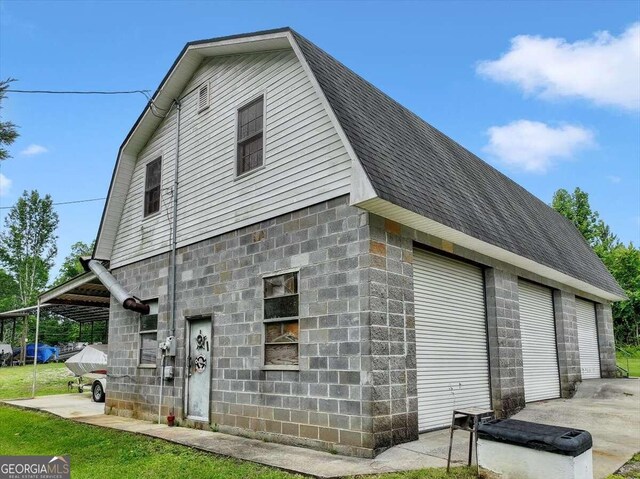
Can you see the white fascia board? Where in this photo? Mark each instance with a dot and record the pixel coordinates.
(421, 223)
(361, 187)
(66, 287)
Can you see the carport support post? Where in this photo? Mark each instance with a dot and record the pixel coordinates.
(35, 352)
(23, 340)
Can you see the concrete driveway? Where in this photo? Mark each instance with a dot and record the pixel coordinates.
(608, 408)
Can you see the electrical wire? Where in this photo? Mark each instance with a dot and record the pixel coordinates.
(62, 203)
(80, 92)
(153, 107)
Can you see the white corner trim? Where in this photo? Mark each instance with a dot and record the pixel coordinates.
(361, 187)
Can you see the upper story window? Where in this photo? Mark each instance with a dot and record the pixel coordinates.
(281, 317)
(152, 187)
(250, 137)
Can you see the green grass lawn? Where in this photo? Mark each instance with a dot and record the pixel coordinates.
(631, 470)
(633, 357)
(633, 366)
(16, 381)
(101, 452)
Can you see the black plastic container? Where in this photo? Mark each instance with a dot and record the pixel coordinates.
(542, 437)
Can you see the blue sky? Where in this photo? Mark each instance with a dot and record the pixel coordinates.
(534, 88)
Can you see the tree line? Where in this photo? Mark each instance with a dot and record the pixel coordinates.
(623, 261)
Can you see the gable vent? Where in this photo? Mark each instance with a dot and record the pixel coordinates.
(203, 97)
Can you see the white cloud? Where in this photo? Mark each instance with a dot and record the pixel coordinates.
(33, 150)
(614, 178)
(5, 185)
(604, 69)
(534, 146)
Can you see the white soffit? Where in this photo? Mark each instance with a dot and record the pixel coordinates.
(421, 223)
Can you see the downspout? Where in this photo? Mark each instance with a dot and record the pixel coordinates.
(174, 226)
(171, 287)
(127, 300)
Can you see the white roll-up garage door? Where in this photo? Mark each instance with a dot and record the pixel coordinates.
(588, 339)
(538, 332)
(451, 339)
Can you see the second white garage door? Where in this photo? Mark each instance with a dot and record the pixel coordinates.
(538, 332)
(451, 340)
(588, 339)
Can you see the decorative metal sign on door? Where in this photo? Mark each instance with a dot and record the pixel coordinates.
(202, 344)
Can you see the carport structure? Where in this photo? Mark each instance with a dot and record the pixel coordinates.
(83, 299)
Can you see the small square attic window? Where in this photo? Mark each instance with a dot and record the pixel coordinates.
(203, 97)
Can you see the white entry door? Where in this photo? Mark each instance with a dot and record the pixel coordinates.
(538, 332)
(451, 338)
(198, 375)
(588, 339)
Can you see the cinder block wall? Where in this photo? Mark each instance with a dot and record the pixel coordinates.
(564, 305)
(133, 391)
(350, 395)
(505, 344)
(356, 390)
(390, 355)
(606, 340)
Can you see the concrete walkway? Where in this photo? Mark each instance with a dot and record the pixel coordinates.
(609, 409)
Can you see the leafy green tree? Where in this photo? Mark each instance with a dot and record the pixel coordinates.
(8, 131)
(624, 264)
(576, 208)
(8, 292)
(71, 266)
(622, 261)
(28, 244)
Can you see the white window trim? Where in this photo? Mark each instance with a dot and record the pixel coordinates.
(251, 99)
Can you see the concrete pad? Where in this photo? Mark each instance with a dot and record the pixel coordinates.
(608, 408)
(68, 406)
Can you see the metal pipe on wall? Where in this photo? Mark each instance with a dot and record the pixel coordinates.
(174, 226)
(119, 293)
(161, 388)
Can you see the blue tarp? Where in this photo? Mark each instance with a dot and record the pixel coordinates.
(45, 352)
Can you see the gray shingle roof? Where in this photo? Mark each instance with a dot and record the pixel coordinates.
(415, 166)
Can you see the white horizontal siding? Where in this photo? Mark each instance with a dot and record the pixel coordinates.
(305, 162)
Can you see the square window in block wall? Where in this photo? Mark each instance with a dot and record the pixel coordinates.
(281, 320)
